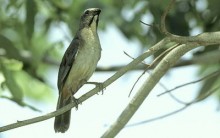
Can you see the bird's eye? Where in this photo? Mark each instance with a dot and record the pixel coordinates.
(87, 12)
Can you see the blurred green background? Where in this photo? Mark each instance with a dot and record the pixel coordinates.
(28, 53)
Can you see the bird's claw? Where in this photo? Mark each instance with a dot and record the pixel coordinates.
(99, 85)
(76, 101)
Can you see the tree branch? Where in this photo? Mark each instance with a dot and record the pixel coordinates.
(168, 61)
(186, 105)
(163, 18)
(186, 44)
(156, 60)
(84, 97)
(202, 59)
(215, 73)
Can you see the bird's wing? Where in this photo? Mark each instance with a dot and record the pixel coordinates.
(67, 62)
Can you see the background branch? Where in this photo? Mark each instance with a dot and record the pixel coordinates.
(176, 111)
(192, 82)
(202, 59)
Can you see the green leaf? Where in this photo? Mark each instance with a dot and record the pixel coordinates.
(209, 84)
(8, 46)
(33, 88)
(12, 64)
(31, 11)
(22, 84)
(9, 68)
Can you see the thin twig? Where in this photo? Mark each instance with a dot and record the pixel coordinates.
(206, 95)
(156, 60)
(143, 63)
(168, 61)
(139, 76)
(159, 71)
(199, 59)
(156, 118)
(176, 111)
(177, 100)
(215, 73)
(150, 25)
(136, 82)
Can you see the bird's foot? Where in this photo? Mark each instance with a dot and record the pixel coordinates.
(76, 101)
(99, 85)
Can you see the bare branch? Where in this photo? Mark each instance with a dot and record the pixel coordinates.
(168, 61)
(156, 60)
(94, 91)
(136, 82)
(146, 23)
(202, 59)
(157, 118)
(143, 63)
(176, 111)
(177, 100)
(192, 82)
(208, 38)
(163, 18)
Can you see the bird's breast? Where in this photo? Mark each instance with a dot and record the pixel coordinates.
(86, 59)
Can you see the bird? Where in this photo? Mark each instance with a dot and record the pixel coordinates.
(78, 64)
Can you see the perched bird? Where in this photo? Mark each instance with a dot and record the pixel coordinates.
(78, 64)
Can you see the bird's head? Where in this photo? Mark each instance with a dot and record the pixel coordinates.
(90, 18)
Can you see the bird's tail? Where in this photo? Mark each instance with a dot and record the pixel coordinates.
(62, 121)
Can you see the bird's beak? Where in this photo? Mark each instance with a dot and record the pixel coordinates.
(97, 11)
